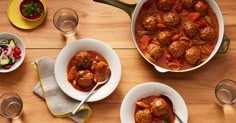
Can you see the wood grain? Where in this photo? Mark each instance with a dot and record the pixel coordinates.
(112, 26)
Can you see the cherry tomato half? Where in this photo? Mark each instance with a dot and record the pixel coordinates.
(180, 60)
(178, 9)
(201, 24)
(17, 56)
(169, 57)
(7, 66)
(17, 50)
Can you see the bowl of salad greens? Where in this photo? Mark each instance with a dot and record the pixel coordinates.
(12, 52)
(32, 10)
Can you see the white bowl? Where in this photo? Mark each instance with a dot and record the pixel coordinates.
(150, 89)
(84, 45)
(20, 44)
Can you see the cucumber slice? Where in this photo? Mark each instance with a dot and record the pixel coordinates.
(5, 61)
(12, 43)
(4, 42)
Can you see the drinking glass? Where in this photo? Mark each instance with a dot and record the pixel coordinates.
(225, 92)
(66, 20)
(11, 105)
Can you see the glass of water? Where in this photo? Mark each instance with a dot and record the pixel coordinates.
(225, 92)
(11, 105)
(66, 20)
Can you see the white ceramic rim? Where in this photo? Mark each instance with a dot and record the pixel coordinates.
(218, 13)
(20, 44)
(70, 50)
(149, 89)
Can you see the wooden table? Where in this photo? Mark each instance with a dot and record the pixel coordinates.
(112, 25)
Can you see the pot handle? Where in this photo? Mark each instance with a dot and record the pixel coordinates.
(128, 8)
(225, 45)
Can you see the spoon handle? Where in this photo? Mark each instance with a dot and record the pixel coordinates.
(178, 117)
(85, 99)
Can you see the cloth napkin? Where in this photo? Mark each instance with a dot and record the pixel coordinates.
(59, 104)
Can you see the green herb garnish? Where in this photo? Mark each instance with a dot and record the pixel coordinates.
(163, 111)
(167, 120)
(32, 9)
(102, 73)
(143, 111)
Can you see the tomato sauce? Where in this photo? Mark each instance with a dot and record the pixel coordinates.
(169, 117)
(95, 57)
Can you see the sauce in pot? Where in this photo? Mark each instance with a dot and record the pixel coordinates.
(176, 34)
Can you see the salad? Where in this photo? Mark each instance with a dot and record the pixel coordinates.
(9, 53)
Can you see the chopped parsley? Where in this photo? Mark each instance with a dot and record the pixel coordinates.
(103, 74)
(85, 61)
(167, 120)
(31, 9)
(163, 111)
(143, 112)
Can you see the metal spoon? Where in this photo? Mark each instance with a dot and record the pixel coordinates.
(171, 106)
(90, 93)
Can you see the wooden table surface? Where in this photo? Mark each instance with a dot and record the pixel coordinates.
(112, 26)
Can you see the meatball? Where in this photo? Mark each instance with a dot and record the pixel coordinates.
(149, 23)
(164, 37)
(201, 7)
(177, 48)
(208, 34)
(143, 116)
(82, 60)
(155, 51)
(187, 3)
(165, 5)
(190, 29)
(192, 55)
(159, 107)
(171, 19)
(84, 78)
(101, 71)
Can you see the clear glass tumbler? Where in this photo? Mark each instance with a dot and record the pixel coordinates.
(66, 20)
(11, 105)
(225, 92)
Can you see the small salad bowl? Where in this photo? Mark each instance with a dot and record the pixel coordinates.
(12, 52)
(32, 10)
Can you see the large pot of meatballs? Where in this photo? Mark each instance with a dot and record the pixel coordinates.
(176, 35)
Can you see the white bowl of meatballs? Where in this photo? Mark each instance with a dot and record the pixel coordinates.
(153, 102)
(177, 36)
(83, 63)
